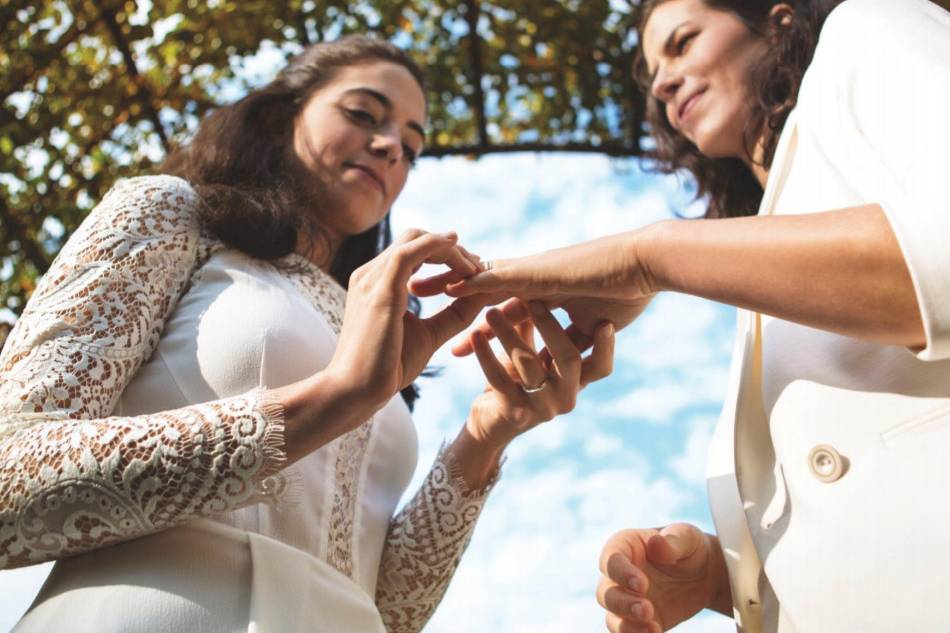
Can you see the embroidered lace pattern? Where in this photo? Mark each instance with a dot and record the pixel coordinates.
(329, 299)
(72, 480)
(424, 545)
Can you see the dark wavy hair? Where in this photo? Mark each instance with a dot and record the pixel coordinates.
(256, 196)
(773, 85)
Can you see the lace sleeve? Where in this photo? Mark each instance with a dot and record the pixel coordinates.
(72, 480)
(424, 545)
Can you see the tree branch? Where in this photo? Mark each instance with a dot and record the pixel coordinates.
(15, 229)
(108, 18)
(475, 51)
(480, 149)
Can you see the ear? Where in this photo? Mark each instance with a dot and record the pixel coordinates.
(780, 18)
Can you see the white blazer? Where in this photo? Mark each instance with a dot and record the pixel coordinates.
(829, 474)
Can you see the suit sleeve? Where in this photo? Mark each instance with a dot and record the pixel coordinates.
(891, 73)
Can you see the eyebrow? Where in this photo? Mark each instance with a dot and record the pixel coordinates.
(667, 45)
(386, 103)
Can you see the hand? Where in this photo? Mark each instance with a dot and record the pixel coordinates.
(651, 580)
(600, 280)
(505, 410)
(382, 346)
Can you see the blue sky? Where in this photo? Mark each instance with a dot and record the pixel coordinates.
(632, 454)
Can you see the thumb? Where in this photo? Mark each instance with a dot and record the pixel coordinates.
(676, 545)
(454, 318)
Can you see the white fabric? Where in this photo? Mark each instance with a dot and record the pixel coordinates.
(145, 552)
(869, 552)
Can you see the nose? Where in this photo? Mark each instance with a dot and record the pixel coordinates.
(386, 144)
(665, 84)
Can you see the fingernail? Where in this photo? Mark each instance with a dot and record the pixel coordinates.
(450, 235)
(637, 610)
(634, 583)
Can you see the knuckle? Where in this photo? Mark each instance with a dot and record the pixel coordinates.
(410, 234)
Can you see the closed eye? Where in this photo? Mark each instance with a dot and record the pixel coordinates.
(683, 42)
(361, 115)
(409, 154)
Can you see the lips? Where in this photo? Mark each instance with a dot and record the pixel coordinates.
(371, 173)
(688, 104)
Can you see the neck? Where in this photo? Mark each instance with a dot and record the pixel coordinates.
(321, 249)
(756, 165)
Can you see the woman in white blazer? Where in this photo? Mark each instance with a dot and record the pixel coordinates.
(828, 470)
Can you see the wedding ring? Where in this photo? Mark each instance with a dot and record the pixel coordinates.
(544, 383)
(487, 265)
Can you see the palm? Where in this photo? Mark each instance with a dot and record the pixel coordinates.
(587, 312)
(678, 590)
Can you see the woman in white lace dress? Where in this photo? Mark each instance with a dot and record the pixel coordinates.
(196, 429)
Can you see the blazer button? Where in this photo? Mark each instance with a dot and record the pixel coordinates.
(827, 464)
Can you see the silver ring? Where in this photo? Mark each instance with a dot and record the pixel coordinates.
(544, 383)
(487, 265)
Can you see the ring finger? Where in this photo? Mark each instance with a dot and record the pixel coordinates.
(523, 357)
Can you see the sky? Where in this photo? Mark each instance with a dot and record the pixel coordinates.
(632, 453)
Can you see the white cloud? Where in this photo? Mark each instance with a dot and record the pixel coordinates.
(690, 465)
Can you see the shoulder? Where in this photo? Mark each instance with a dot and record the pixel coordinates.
(147, 207)
(860, 24)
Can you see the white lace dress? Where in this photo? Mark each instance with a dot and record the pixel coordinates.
(175, 513)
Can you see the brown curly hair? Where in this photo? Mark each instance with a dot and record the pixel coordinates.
(256, 195)
(773, 84)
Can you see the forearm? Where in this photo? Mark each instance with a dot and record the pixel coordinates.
(317, 410)
(841, 271)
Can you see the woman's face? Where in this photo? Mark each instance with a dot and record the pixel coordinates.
(700, 60)
(359, 134)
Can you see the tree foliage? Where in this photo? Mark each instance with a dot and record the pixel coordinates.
(94, 91)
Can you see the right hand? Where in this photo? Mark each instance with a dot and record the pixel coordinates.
(382, 346)
(596, 281)
(651, 580)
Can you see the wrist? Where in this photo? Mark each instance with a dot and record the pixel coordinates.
(317, 410)
(653, 249)
(721, 595)
(478, 458)
(487, 431)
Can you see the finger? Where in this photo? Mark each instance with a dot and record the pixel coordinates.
(504, 275)
(472, 257)
(435, 285)
(455, 260)
(581, 341)
(515, 311)
(494, 371)
(563, 352)
(615, 599)
(621, 570)
(617, 625)
(600, 363)
(674, 544)
(453, 318)
(525, 330)
(407, 255)
(523, 357)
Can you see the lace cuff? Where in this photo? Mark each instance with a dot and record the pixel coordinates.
(425, 543)
(69, 486)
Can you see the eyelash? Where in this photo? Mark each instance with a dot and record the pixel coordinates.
(368, 118)
(683, 41)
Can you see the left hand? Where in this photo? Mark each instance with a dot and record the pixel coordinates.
(505, 410)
